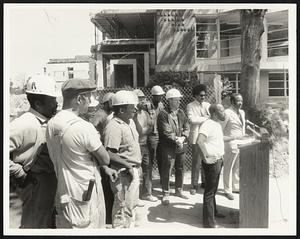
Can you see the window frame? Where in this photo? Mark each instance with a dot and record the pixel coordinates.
(285, 84)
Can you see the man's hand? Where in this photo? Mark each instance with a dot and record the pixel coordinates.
(130, 173)
(113, 174)
(25, 180)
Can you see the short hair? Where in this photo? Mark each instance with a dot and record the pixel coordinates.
(233, 97)
(198, 88)
(213, 108)
(33, 98)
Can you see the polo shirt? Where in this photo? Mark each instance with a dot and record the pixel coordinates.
(124, 138)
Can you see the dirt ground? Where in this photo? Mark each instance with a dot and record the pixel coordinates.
(186, 215)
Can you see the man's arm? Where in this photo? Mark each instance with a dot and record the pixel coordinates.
(200, 141)
(164, 127)
(193, 117)
(101, 155)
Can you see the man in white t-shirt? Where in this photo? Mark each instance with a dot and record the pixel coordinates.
(210, 141)
(72, 142)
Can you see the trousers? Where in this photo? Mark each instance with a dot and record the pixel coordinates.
(126, 195)
(154, 152)
(168, 159)
(108, 196)
(212, 175)
(196, 166)
(231, 170)
(38, 199)
(147, 171)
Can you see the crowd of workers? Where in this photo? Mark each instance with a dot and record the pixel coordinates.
(80, 167)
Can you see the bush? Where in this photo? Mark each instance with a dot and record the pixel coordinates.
(276, 121)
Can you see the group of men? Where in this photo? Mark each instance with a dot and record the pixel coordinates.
(80, 167)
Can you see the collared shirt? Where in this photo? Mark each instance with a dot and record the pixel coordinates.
(214, 143)
(124, 138)
(71, 140)
(197, 113)
(27, 141)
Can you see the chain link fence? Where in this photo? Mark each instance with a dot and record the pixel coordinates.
(19, 105)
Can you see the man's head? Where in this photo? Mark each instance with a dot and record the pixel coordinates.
(77, 94)
(123, 103)
(107, 101)
(157, 94)
(217, 112)
(173, 96)
(236, 100)
(41, 95)
(199, 92)
(141, 98)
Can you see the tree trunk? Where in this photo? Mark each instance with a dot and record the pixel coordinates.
(252, 28)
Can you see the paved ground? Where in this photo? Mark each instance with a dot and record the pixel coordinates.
(183, 214)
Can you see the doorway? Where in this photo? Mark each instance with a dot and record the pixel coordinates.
(123, 75)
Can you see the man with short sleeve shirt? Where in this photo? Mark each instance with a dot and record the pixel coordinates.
(210, 140)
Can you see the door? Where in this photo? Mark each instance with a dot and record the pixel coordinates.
(123, 75)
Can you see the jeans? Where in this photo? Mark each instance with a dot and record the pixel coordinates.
(212, 175)
(126, 195)
(147, 171)
(168, 158)
(154, 152)
(196, 166)
(38, 201)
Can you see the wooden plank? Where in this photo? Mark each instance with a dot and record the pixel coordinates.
(254, 185)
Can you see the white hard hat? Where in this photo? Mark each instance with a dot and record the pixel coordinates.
(40, 85)
(107, 97)
(139, 93)
(124, 97)
(94, 102)
(173, 93)
(157, 90)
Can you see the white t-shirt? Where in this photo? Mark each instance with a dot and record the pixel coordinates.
(214, 143)
(71, 140)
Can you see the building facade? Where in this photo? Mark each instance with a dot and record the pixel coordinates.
(62, 69)
(137, 43)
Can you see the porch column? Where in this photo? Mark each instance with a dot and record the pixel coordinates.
(146, 67)
(99, 71)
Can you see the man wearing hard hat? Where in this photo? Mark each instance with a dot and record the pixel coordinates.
(144, 125)
(29, 161)
(153, 109)
(173, 130)
(76, 151)
(121, 139)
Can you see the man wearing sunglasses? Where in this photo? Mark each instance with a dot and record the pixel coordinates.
(197, 112)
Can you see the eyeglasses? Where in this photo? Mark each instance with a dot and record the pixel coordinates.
(202, 95)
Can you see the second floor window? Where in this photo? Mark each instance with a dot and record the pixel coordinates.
(206, 38)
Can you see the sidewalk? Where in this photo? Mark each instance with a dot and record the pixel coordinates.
(183, 214)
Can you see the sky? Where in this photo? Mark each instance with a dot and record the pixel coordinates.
(37, 34)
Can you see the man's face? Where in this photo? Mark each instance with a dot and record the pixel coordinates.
(201, 96)
(157, 98)
(48, 107)
(128, 112)
(174, 103)
(238, 102)
(221, 113)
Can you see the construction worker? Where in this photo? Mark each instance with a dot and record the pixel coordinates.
(197, 112)
(144, 125)
(121, 139)
(72, 142)
(153, 109)
(107, 104)
(30, 164)
(210, 140)
(173, 130)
